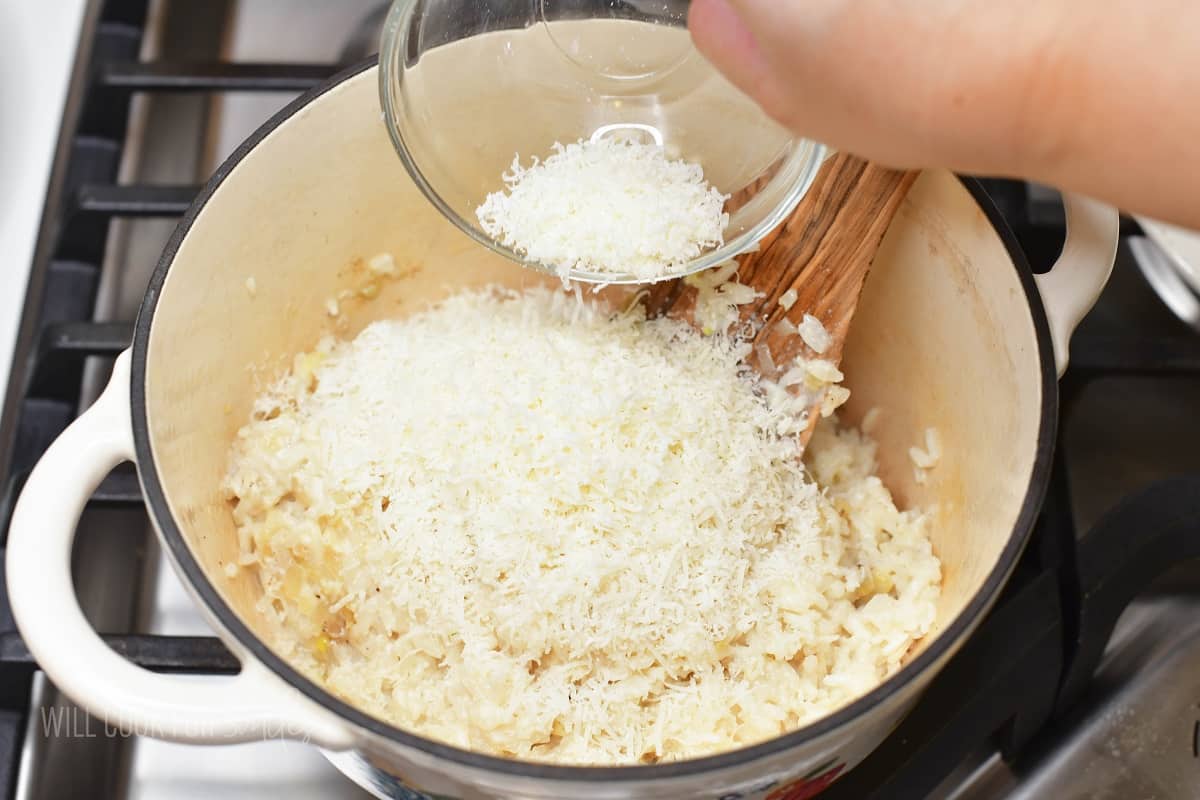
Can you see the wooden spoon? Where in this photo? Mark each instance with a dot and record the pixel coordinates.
(822, 252)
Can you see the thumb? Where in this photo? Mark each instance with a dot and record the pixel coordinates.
(723, 38)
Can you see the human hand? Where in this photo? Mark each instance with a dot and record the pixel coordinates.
(1093, 97)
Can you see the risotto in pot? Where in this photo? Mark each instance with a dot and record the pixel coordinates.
(528, 526)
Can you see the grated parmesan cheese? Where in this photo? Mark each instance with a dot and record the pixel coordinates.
(610, 206)
(525, 526)
(718, 297)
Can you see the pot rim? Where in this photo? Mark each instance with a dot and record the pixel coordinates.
(944, 643)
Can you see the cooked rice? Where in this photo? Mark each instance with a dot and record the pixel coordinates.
(450, 535)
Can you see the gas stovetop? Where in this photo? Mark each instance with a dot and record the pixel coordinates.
(1082, 682)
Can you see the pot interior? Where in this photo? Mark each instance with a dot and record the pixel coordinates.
(944, 336)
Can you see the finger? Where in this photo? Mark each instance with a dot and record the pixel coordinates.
(788, 23)
(725, 40)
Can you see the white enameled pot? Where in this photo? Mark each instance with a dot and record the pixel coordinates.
(954, 332)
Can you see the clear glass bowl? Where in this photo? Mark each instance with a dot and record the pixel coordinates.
(468, 84)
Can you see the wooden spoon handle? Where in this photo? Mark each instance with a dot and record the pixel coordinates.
(819, 258)
(823, 253)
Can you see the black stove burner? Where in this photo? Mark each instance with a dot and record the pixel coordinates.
(1027, 662)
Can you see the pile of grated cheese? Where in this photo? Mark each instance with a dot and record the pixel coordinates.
(526, 526)
(609, 207)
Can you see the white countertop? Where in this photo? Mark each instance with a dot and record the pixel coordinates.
(37, 50)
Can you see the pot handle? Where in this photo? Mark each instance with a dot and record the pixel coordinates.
(250, 706)
(1074, 283)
